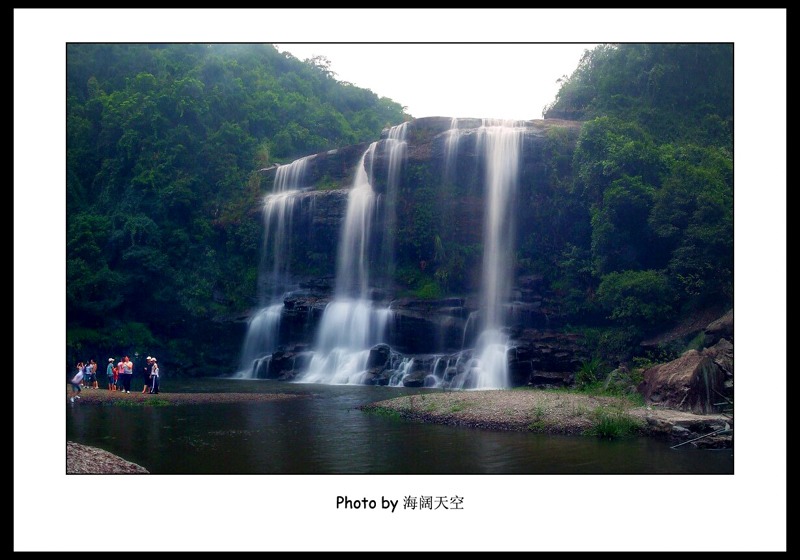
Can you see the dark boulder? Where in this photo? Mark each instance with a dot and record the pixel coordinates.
(692, 382)
(379, 356)
(722, 354)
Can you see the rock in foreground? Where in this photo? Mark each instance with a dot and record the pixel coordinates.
(83, 459)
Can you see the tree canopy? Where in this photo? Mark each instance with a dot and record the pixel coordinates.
(654, 168)
(163, 142)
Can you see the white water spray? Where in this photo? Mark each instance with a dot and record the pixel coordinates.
(261, 338)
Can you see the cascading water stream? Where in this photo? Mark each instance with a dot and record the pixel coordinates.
(395, 147)
(262, 333)
(279, 207)
(278, 212)
(351, 324)
(352, 272)
(500, 143)
(451, 150)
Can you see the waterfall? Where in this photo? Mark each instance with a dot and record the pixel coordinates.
(357, 318)
(501, 147)
(394, 146)
(261, 338)
(349, 328)
(351, 324)
(400, 373)
(278, 211)
(500, 143)
(451, 150)
(352, 273)
(291, 176)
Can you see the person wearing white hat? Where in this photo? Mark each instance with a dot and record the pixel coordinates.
(110, 374)
(154, 376)
(148, 365)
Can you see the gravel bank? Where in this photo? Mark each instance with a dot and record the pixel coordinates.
(552, 412)
(83, 459)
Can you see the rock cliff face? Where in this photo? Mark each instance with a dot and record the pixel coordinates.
(434, 199)
(326, 170)
(546, 358)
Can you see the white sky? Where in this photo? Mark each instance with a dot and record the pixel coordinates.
(504, 81)
(743, 512)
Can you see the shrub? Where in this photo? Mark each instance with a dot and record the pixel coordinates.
(429, 290)
(589, 373)
(613, 424)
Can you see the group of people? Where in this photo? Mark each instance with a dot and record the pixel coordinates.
(89, 377)
(119, 376)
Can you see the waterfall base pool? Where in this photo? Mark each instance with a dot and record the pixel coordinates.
(325, 433)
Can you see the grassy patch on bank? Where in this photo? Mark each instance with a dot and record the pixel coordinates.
(537, 427)
(613, 423)
(157, 402)
(384, 412)
(544, 411)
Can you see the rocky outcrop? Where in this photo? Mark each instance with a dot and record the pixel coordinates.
(721, 328)
(549, 358)
(707, 431)
(283, 364)
(698, 381)
(418, 374)
(428, 326)
(693, 382)
(333, 169)
(722, 354)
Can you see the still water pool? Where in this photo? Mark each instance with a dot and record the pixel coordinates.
(325, 433)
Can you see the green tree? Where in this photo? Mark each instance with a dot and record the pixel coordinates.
(640, 298)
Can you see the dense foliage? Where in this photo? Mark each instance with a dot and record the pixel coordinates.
(162, 145)
(653, 169)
